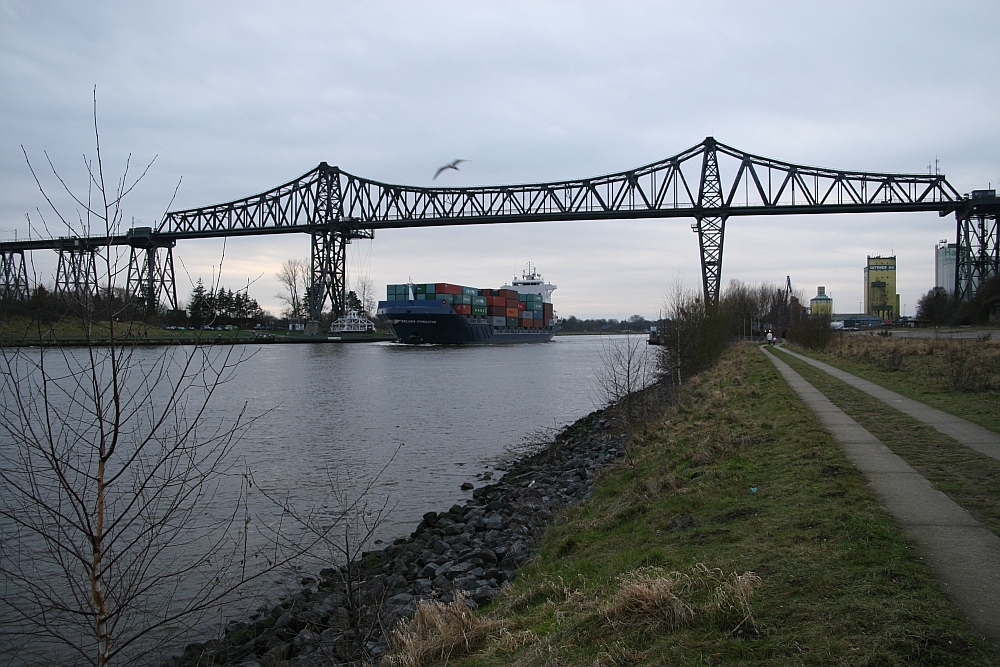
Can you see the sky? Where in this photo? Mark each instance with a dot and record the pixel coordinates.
(228, 99)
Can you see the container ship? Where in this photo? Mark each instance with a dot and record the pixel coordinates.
(444, 313)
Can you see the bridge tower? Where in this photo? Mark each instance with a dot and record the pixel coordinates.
(711, 229)
(978, 252)
(150, 278)
(328, 254)
(14, 275)
(76, 273)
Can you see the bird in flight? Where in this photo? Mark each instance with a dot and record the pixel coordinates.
(451, 165)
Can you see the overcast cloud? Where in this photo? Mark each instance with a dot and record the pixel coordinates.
(233, 98)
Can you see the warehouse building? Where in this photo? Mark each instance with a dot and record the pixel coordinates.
(881, 299)
(945, 261)
(821, 304)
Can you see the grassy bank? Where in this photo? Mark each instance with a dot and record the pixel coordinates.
(735, 533)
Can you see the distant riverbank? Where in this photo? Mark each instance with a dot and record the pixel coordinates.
(24, 332)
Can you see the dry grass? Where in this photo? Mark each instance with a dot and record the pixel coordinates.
(652, 598)
(667, 600)
(438, 632)
(648, 598)
(966, 365)
(617, 654)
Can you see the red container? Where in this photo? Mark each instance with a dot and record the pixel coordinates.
(521, 305)
(447, 288)
(463, 308)
(547, 310)
(509, 294)
(511, 312)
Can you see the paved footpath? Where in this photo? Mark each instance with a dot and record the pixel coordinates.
(965, 432)
(962, 552)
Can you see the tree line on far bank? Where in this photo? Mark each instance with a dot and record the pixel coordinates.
(939, 307)
(635, 323)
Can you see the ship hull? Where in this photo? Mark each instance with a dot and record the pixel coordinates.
(425, 322)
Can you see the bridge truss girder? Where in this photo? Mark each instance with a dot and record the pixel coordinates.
(14, 274)
(710, 182)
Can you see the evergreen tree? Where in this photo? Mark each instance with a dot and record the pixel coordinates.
(354, 303)
(199, 307)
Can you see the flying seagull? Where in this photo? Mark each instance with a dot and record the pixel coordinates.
(450, 165)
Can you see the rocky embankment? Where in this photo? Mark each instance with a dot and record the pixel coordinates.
(346, 614)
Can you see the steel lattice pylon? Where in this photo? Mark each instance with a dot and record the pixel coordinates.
(978, 243)
(711, 229)
(14, 273)
(76, 273)
(151, 279)
(328, 253)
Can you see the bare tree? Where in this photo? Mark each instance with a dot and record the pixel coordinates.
(294, 277)
(365, 289)
(343, 524)
(627, 366)
(112, 542)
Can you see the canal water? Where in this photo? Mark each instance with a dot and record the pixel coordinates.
(406, 426)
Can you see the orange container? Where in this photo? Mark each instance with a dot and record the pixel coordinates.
(511, 312)
(463, 308)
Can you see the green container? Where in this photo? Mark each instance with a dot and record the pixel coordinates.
(429, 288)
(470, 291)
(479, 301)
(512, 321)
(479, 310)
(419, 289)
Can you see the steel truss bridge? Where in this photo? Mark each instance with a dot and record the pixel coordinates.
(708, 183)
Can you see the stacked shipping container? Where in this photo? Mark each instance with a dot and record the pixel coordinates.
(504, 307)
